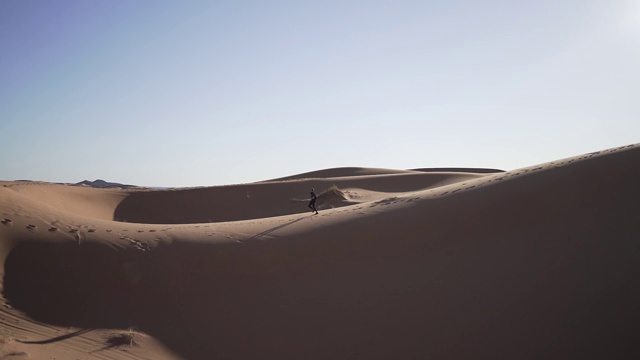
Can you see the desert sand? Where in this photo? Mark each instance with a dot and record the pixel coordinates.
(541, 262)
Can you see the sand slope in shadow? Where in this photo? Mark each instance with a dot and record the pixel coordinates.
(540, 262)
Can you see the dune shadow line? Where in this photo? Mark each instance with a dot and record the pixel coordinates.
(58, 338)
(269, 231)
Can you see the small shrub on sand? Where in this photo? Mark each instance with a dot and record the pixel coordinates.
(121, 338)
(15, 354)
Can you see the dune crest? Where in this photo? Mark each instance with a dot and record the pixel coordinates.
(539, 262)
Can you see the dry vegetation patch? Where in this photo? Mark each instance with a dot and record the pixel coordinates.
(127, 337)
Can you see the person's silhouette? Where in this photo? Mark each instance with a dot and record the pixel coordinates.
(312, 203)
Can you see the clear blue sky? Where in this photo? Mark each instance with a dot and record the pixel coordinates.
(189, 93)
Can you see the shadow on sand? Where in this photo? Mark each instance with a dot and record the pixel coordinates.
(267, 232)
(57, 338)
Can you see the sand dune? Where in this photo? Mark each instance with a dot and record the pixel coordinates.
(342, 172)
(539, 262)
(358, 171)
(268, 199)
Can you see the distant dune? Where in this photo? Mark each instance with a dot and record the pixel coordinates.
(535, 263)
(357, 171)
(469, 170)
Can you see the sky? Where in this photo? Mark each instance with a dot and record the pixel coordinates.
(203, 93)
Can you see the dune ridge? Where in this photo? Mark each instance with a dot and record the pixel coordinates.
(539, 262)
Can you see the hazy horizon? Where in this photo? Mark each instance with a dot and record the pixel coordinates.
(197, 93)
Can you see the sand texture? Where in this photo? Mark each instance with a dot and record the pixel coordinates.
(535, 263)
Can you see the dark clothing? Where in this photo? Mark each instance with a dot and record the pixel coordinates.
(312, 203)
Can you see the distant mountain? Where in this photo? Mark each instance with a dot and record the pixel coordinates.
(104, 184)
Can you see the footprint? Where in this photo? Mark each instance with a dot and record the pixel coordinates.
(53, 228)
(32, 227)
(91, 230)
(6, 221)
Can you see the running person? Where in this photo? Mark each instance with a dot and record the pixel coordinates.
(312, 203)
